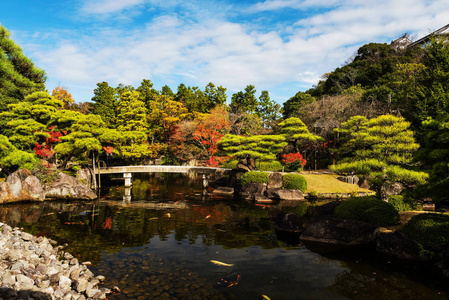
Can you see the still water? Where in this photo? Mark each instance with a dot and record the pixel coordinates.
(160, 244)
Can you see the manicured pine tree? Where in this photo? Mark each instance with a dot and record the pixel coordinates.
(18, 75)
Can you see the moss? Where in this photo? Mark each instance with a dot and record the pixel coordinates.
(294, 181)
(254, 176)
(368, 209)
(428, 229)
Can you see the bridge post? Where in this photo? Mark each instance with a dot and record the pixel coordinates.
(128, 179)
(205, 181)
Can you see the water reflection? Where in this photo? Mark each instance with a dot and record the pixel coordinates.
(160, 243)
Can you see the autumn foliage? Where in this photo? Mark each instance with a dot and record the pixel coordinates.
(293, 160)
(45, 149)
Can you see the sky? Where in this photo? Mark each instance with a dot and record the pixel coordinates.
(282, 46)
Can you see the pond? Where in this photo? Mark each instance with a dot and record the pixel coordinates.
(168, 240)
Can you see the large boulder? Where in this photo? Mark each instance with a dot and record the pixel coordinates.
(399, 245)
(68, 187)
(253, 188)
(286, 194)
(329, 230)
(86, 175)
(275, 180)
(21, 185)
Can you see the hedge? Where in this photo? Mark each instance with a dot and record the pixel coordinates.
(368, 209)
(254, 176)
(294, 181)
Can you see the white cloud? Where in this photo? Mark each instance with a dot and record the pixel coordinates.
(232, 54)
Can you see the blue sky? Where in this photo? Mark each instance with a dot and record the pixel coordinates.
(283, 46)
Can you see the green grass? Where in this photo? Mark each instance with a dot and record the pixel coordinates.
(326, 183)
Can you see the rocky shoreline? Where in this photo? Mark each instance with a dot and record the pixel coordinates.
(35, 268)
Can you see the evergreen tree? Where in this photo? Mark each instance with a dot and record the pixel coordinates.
(105, 102)
(297, 133)
(258, 147)
(244, 101)
(382, 149)
(18, 75)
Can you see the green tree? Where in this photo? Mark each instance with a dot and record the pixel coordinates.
(167, 91)
(258, 147)
(244, 101)
(295, 104)
(105, 102)
(12, 159)
(214, 95)
(435, 154)
(268, 110)
(146, 92)
(296, 132)
(25, 120)
(382, 149)
(18, 75)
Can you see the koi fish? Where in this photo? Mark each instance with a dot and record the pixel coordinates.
(265, 297)
(219, 263)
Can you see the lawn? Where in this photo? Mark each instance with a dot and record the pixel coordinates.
(328, 183)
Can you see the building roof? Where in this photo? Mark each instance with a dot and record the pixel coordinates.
(443, 31)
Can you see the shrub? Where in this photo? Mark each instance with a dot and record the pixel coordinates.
(273, 166)
(294, 181)
(368, 209)
(254, 176)
(293, 161)
(400, 203)
(428, 229)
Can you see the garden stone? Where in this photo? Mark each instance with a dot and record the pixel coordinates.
(33, 187)
(253, 188)
(227, 191)
(389, 188)
(14, 183)
(288, 194)
(275, 180)
(68, 187)
(399, 245)
(338, 232)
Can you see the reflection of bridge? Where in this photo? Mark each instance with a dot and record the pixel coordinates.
(128, 170)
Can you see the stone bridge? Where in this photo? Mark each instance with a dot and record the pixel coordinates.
(128, 170)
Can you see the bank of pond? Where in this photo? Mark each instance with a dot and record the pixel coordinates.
(173, 241)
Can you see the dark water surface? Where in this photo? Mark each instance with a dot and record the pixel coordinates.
(159, 245)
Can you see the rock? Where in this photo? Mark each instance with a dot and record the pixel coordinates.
(226, 191)
(21, 186)
(364, 184)
(342, 178)
(68, 187)
(328, 230)
(253, 188)
(15, 184)
(23, 282)
(85, 176)
(261, 199)
(81, 284)
(275, 180)
(287, 194)
(33, 187)
(92, 292)
(389, 188)
(399, 245)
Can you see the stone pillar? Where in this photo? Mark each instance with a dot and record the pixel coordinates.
(205, 181)
(128, 179)
(127, 195)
